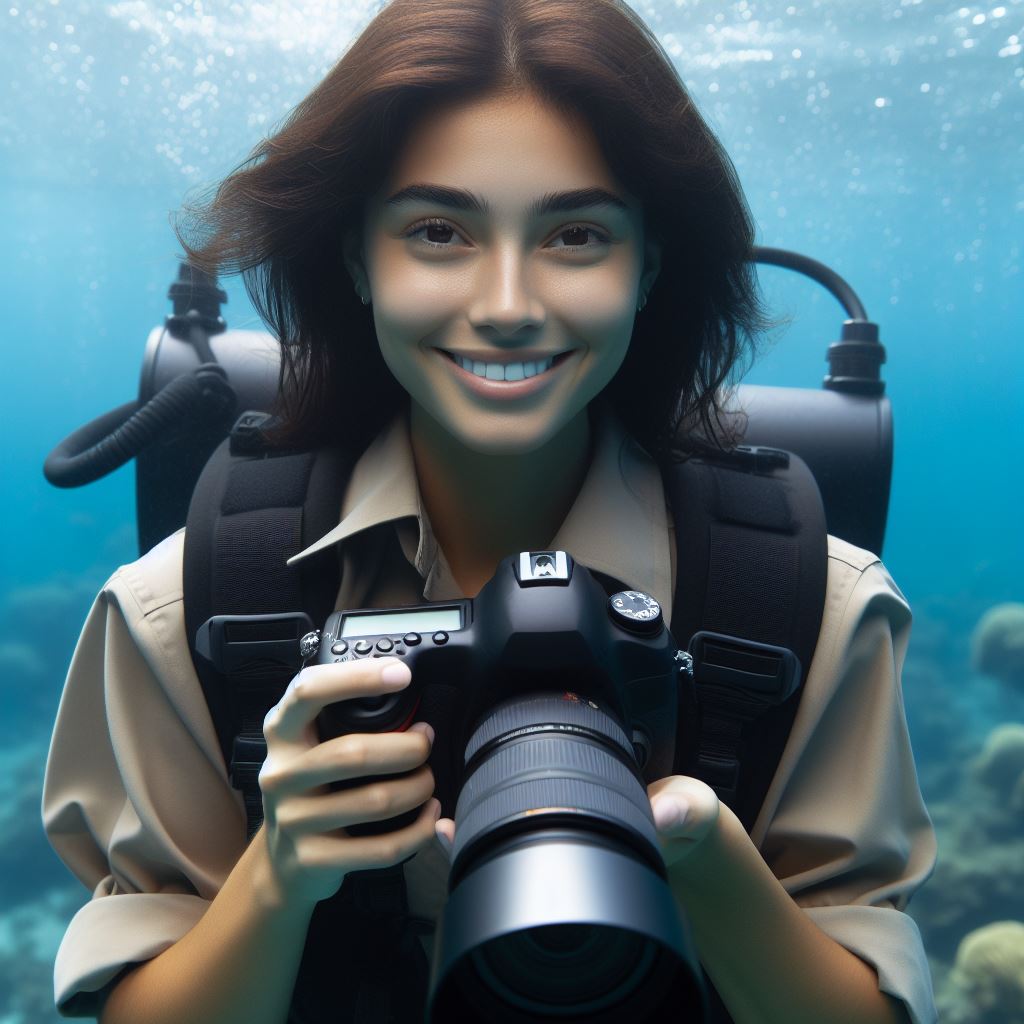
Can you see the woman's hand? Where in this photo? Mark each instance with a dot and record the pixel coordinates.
(304, 822)
(685, 812)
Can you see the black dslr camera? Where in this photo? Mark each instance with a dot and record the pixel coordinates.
(565, 707)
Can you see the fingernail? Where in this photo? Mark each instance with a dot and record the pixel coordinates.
(396, 673)
(425, 728)
(669, 812)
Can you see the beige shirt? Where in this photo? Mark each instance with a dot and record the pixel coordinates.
(137, 803)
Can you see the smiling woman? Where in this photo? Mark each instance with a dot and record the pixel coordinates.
(501, 335)
(446, 139)
(508, 265)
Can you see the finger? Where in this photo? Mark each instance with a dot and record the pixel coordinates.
(360, 853)
(355, 755)
(318, 685)
(683, 806)
(376, 801)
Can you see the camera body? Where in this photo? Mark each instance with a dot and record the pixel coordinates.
(542, 623)
(562, 705)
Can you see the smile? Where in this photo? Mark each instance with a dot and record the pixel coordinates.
(505, 371)
(493, 378)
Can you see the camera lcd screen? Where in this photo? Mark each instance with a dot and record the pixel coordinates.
(396, 623)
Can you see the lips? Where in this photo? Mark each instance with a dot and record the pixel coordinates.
(503, 389)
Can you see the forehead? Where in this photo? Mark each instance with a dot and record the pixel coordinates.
(508, 150)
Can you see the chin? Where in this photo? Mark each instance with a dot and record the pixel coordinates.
(503, 442)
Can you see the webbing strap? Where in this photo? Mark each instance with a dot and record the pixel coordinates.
(365, 925)
(750, 570)
(750, 589)
(248, 515)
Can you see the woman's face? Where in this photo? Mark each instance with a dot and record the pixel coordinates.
(465, 265)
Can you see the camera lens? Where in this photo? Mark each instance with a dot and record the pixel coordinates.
(565, 968)
(559, 907)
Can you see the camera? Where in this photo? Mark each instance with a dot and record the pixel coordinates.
(564, 703)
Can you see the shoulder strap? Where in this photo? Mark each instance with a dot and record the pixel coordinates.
(750, 590)
(251, 510)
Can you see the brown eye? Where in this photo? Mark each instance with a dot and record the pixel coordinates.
(579, 236)
(439, 233)
(576, 236)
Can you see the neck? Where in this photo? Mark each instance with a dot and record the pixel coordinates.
(483, 507)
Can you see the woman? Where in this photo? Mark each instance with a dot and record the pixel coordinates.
(481, 189)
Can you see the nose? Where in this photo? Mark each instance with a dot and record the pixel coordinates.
(505, 300)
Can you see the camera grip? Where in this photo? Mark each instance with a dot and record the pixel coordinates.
(373, 715)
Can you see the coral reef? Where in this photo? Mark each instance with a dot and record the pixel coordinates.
(38, 895)
(1000, 764)
(997, 644)
(980, 827)
(986, 985)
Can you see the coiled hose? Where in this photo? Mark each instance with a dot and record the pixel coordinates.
(116, 437)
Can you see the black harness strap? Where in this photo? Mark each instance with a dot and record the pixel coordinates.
(751, 566)
(750, 591)
(250, 512)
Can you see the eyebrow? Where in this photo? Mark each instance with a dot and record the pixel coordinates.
(550, 202)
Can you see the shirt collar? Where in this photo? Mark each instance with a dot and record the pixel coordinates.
(382, 487)
(618, 524)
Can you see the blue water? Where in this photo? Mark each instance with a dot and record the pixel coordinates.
(885, 139)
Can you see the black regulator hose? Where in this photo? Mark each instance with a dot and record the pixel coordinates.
(118, 436)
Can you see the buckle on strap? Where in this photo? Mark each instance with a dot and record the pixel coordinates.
(768, 674)
(236, 644)
(757, 458)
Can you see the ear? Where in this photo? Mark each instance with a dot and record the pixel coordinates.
(652, 263)
(355, 263)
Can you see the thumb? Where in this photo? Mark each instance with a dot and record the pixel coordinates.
(669, 811)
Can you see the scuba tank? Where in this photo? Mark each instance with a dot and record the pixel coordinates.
(198, 377)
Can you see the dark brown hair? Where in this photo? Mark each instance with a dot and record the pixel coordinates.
(279, 218)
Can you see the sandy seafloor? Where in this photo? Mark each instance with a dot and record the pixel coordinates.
(884, 139)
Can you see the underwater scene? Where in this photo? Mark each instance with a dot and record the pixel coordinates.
(884, 139)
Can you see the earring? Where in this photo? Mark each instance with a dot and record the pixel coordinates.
(640, 305)
(365, 300)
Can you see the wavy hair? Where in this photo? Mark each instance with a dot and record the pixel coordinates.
(280, 217)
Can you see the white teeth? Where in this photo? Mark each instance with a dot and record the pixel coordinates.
(504, 371)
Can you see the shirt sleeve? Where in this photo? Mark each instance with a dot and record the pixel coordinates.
(136, 801)
(844, 826)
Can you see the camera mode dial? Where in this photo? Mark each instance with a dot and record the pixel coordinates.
(636, 612)
(309, 645)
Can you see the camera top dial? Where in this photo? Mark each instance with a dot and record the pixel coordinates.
(635, 611)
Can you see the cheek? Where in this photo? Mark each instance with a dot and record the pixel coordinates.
(409, 294)
(598, 300)
(599, 295)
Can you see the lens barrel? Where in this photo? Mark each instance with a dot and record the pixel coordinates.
(559, 907)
